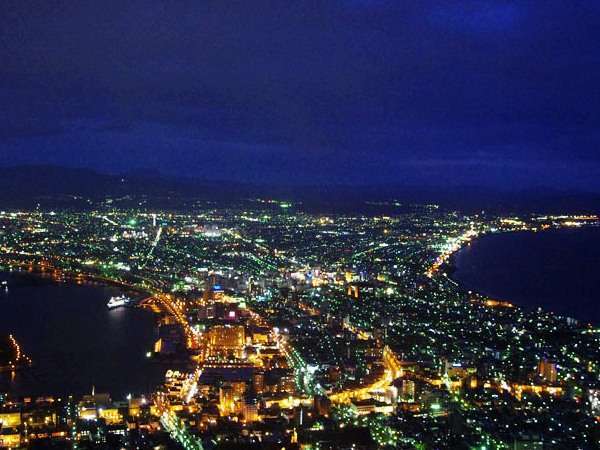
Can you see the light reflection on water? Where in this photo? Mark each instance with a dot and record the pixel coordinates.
(75, 341)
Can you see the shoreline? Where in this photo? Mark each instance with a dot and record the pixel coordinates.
(22, 277)
(450, 268)
(53, 275)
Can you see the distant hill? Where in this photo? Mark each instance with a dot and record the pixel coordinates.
(34, 181)
(51, 186)
(26, 186)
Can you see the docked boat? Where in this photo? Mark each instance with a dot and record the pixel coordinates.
(116, 302)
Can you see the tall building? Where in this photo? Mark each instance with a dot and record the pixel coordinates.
(250, 410)
(226, 400)
(547, 370)
(258, 381)
(407, 394)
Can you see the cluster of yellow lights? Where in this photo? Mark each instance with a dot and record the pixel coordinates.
(452, 246)
(498, 304)
(19, 355)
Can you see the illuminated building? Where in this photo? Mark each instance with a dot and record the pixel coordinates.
(407, 393)
(547, 370)
(135, 405)
(110, 415)
(227, 341)
(519, 389)
(10, 438)
(250, 410)
(231, 398)
(10, 419)
(260, 336)
(280, 380)
(215, 293)
(258, 381)
(226, 400)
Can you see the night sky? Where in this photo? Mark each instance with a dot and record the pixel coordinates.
(490, 93)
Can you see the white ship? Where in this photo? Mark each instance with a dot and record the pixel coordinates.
(116, 302)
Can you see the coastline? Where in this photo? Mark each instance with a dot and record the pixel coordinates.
(450, 268)
(125, 330)
(43, 275)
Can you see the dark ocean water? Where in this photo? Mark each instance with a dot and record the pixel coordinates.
(75, 341)
(557, 270)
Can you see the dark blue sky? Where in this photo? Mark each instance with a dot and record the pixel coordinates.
(439, 93)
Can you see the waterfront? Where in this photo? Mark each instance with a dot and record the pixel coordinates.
(556, 270)
(75, 341)
(271, 314)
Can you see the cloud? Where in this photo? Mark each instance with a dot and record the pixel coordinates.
(300, 89)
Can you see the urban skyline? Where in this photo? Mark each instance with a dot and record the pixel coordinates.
(279, 328)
